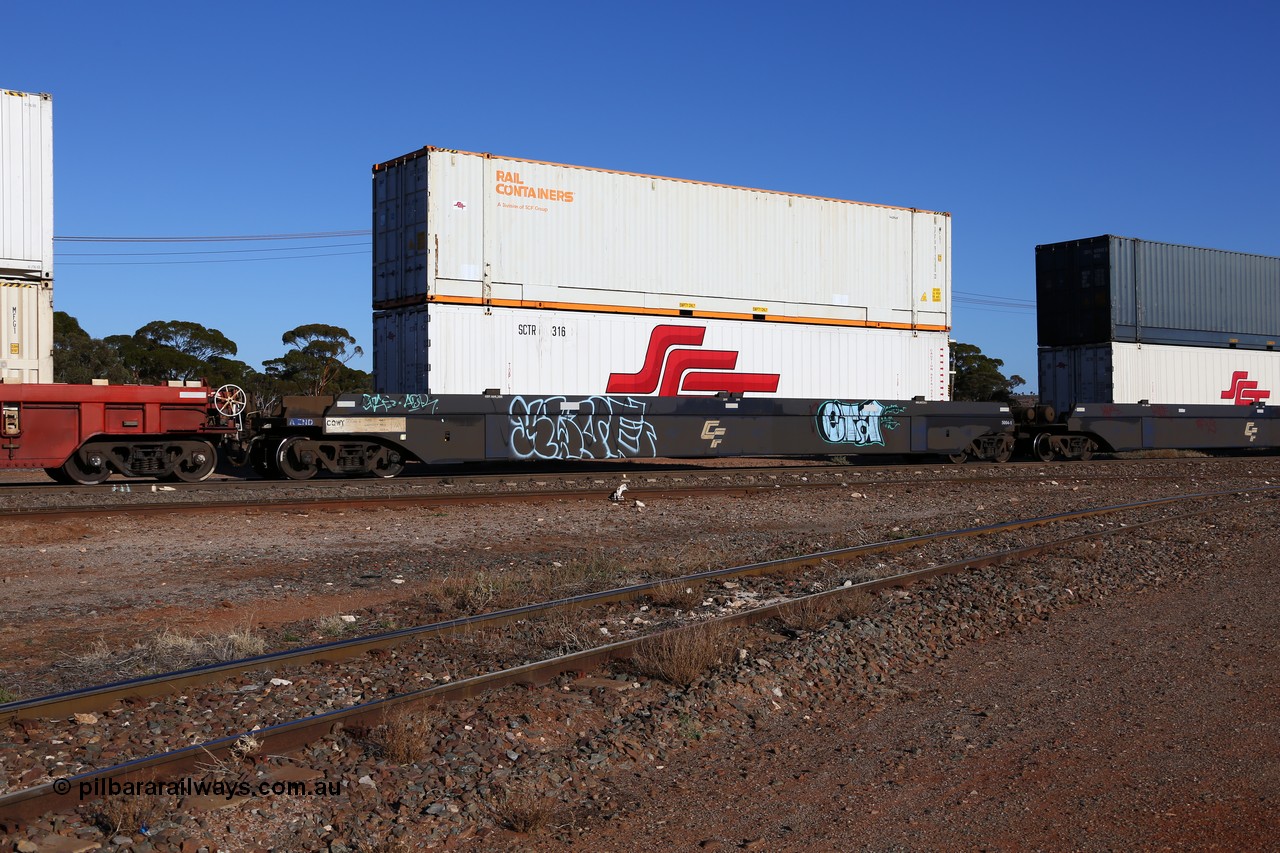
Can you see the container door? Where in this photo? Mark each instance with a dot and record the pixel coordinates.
(400, 236)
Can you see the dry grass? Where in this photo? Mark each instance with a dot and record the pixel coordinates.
(585, 574)
(812, 614)
(334, 626)
(236, 644)
(165, 652)
(698, 557)
(405, 735)
(681, 657)
(471, 594)
(562, 633)
(522, 808)
(676, 595)
(121, 814)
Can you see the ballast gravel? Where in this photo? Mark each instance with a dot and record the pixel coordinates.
(1113, 696)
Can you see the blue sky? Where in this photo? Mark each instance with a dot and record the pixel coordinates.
(1030, 123)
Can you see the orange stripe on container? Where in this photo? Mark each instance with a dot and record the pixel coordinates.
(676, 312)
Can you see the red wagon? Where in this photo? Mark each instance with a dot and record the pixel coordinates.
(84, 433)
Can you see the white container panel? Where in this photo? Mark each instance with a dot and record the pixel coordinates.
(26, 186)
(1130, 373)
(529, 351)
(541, 235)
(26, 332)
(457, 225)
(688, 242)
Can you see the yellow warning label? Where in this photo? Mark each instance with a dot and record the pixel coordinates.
(937, 294)
(14, 349)
(924, 297)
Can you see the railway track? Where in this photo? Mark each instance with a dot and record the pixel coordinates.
(22, 501)
(496, 672)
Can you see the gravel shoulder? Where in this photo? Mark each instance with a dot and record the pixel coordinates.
(1117, 696)
(1150, 722)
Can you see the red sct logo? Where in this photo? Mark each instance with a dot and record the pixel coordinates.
(1244, 391)
(670, 370)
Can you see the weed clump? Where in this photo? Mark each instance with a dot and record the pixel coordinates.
(522, 808)
(676, 595)
(680, 657)
(814, 613)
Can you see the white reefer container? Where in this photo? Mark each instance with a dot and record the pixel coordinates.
(1130, 373)
(463, 349)
(823, 293)
(26, 187)
(26, 332)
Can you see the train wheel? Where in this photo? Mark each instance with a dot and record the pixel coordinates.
(196, 463)
(1043, 447)
(78, 471)
(1086, 451)
(388, 464)
(59, 476)
(295, 462)
(1005, 452)
(959, 458)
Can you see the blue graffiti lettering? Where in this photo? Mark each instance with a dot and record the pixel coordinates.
(406, 402)
(601, 428)
(856, 423)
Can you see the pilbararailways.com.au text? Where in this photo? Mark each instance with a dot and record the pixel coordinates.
(93, 788)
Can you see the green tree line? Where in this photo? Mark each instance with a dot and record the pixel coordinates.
(979, 377)
(315, 359)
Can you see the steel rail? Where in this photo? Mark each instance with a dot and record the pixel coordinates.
(635, 477)
(366, 501)
(847, 476)
(102, 696)
(287, 737)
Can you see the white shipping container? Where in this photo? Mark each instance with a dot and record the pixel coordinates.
(453, 349)
(26, 187)
(26, 332)
(455, 228)
(1130, 373)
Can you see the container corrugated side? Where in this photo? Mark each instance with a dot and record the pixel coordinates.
(26, 332)
(26, 186)
(1130, 373)
(1120, 289)
(463, 228)
(400, 350)
(529, 351)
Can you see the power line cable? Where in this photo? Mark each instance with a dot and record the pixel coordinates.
(206, 261)
(308, 235)
(204, 252)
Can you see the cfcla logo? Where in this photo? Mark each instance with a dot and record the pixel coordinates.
(713, 432)
(1244, 391)
(1250, 429)
(670, 371)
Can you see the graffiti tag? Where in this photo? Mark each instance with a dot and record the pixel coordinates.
(856, 423)
(601, 428)
(407, 402)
